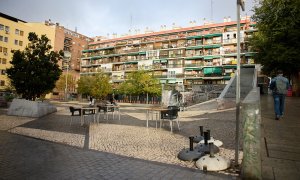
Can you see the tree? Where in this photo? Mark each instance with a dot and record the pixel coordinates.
(101, 86)
(141, 82)
(278, 38)
(97, 86)
(35, 70)
(61, 83)
(85, 84)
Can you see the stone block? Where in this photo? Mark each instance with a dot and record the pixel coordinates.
(22, 107)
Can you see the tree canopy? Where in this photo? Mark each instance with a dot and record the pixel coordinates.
(35, 70)
(97, 86)
(278, 38)
(140, 82)
(61, 83)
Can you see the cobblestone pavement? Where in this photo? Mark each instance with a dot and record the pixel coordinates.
(221, 124)
(27, 158)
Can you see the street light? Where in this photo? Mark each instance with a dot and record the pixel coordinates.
(240, 4)
(67, 57)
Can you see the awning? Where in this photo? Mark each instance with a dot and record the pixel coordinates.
(87, 50)
(208, 57)
(212, 46)
(213, 35)
(212, 70)
(229, 66)
(96, 57)
(211, 57)
(194, 57)
(164, 60)
(131, 62)
(194, 37)
(142, 53)
(226, 77)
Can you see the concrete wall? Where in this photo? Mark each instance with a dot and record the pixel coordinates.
(251, 118)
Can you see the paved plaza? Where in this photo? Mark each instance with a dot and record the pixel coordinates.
(129, 139)
(50, 148)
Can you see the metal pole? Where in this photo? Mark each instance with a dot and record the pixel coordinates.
(238, 91)
(66, 91)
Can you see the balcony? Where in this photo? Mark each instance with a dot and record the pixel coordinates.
(160, 76)
(194, 65)
(175, 66)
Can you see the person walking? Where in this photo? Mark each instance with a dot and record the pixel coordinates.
(279, 86)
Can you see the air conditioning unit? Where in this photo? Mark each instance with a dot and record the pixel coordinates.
(6, 32)
(5, 54)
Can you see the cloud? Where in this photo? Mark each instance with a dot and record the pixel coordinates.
(100, 17)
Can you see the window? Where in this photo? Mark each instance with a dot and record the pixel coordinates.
(3, 61)
(2, 83)
(0, 48)
(20, 43)
(5, 39)
(2, 71)
(4, 49)
(1, 38)
(1, 27)
(21, 33)
(152, 54)
(7, 29)
(209, 41)
(171, 74)
(16, 42)
(198, 42)
(209, 52)
(17, 31)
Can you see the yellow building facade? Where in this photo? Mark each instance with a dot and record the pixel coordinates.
(14, 36)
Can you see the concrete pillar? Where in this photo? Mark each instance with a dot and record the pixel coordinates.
(251, 118)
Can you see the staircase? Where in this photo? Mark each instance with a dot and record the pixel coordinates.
(227, 98)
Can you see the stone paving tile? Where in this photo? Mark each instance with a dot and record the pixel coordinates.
(288, 174)
(57, 122)
(285, 155)
(282, 140)
(28, 158)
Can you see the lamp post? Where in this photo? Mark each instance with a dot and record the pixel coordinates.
(240, 4)
(66, 89)
(67, 58)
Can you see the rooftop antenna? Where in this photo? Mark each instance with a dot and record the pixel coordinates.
(211, 10)
(130, 21)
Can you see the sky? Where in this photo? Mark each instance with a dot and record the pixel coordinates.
(106, 17)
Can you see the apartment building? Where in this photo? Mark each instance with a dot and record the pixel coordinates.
(185, 56)
(14, 36)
